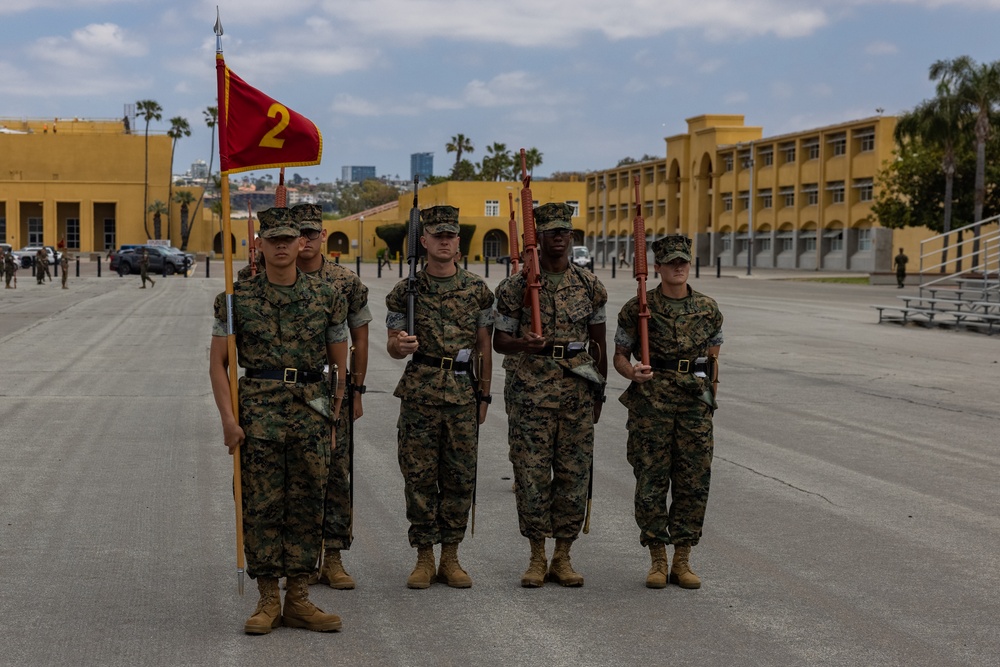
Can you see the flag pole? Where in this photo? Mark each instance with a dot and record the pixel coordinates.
(227, 258)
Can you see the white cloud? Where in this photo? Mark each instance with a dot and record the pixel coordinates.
(502, 90)
(881, 48)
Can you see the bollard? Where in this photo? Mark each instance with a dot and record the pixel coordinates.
(98, 267)
(718, 267)
(336, 260)
(614, 263)
(506, 270)
(697, 266)
(379, 272)
(55, 270)
(357, 261)
(77, 266)
(208, 271)
(465, 262)
(400, 265)
(487, 263)
(163, 270)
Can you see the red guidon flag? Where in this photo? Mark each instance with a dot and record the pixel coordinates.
(256, 132)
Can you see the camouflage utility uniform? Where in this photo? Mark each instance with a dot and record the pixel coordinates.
(337, 522)
(9, 269)
(670, 415)
(64, 265)
(144, 270)
(41, 267)
(438, 416)
(287, 425)
(550, 399)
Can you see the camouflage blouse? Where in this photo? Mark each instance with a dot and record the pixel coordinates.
(449, 314)
(349, 284)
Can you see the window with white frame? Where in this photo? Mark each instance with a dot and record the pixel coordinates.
(728, 162)
(3, 230)
(766, 198)
(787, 244)
(766, 156)
(811, 192)
(765, 242)
(836, 190)
(836, 240)
(727, 242)
(35, 235)
(744, 200)
(727, 201)
(744, 158)
(865, 188)
(109, 233)
(838, 142)
(866, 139)
(492, 207)
(787, 195)
(865, 239)
(811, 147)
(576, 207)
(808, 241)
(788, 150)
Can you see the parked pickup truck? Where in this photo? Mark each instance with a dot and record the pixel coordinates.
(127, 261)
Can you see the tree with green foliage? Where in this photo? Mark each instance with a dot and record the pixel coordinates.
(358, 197)
(532, 158)
(179, 127)
(498, 164)
(459, 144)
(463, 171)
(157, 208)
(185, 199)
(149, 110)
(465, 234)
(394, 234)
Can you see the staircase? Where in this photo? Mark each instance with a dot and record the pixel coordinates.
(959, 281)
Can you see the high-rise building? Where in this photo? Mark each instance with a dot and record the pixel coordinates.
(421, 166)
(354, 174)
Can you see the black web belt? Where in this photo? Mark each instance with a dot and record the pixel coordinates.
(286, 375)
(559, 351)
(444, 363)
(699, 365)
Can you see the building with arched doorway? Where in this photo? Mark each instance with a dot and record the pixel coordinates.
(794, 201)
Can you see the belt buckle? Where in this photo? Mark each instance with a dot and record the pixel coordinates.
(449, 361)
(683, 365)
(291, 376)
(558, 351)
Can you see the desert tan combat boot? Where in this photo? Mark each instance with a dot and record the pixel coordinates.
(423, 572)
(450, 571)
(534, 576)
(299, 612)
(268, 613)
(333, 573)
(561, 570)
(680, 569)
(657, 577)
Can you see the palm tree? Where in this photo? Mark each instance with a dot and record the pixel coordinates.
(498, 165)
(185, 199)
(179, 127)
(459, 144)
(211, 115)
(978, 87)
(157, 208)
(532, 158)
(149, 110)
(937, 123)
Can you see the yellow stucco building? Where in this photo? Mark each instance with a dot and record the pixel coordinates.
(81, 182)
(800, 200)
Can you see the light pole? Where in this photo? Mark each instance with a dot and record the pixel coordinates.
(749, 164)
(361, 237)
(604, 215)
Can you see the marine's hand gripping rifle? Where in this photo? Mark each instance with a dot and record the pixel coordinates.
(252, 252)
(515, 252)
(531, 249)
(639, 238)
(412, 253)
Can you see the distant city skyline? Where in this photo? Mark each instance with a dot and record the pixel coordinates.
(585, 81)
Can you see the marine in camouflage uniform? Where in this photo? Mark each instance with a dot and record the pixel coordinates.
(144, 269)
(337, 521)
(670, 405)
(437, 427)
(9, 269)
(555, 391)
(41, 266)
(64, 265)
(287, 326)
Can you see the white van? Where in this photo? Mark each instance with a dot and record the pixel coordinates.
(580, 255)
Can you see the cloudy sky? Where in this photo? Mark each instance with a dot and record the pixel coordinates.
(587, 82)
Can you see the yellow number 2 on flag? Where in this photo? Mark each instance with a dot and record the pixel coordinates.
(271, 139)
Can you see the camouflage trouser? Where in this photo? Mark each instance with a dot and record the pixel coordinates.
(437, 456)
(144, 275)
(551, 449)
(8, 276)
(337, 515)
(283, 487)
(671, 454)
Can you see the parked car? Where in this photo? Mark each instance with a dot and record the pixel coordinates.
(25, 257)
(6, 248)
(127, 261)
(580, 255)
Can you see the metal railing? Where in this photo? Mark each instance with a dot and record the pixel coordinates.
(972, 252)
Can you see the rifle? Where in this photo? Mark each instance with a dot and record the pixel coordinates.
(252, 253)
(515, 254)
(412, 240)
(532, 297)
(477, 389)
(350, 441)
(639, 238)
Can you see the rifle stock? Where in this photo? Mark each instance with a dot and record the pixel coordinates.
(531, 249)
(412, 253)
(641, 271)
(515, 252)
